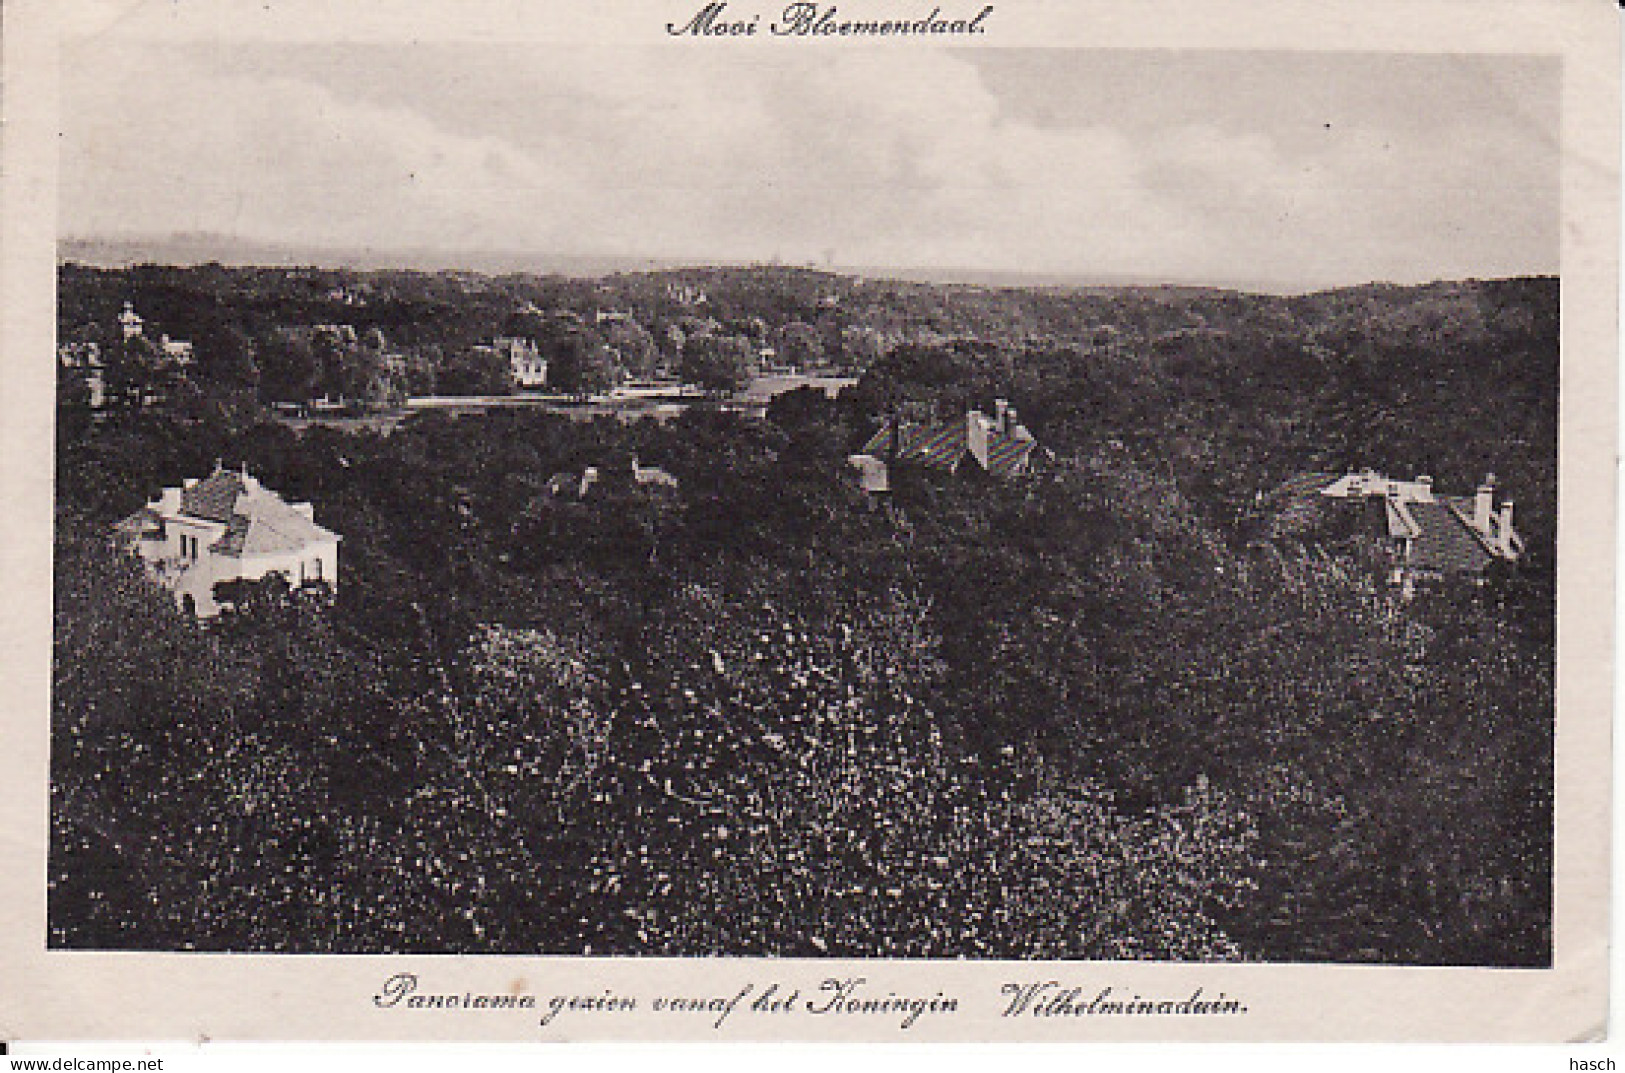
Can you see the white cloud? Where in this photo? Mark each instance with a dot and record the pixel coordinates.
(889, 157)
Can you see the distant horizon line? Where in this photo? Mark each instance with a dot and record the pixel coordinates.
(240, 252)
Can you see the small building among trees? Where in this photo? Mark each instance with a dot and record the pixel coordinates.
(228, 527)
(525, 361)
(999, 444)
(1426, 536)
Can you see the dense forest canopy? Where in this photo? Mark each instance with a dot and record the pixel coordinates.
(1109, 709)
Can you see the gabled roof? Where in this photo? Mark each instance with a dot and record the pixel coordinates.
(214, 497)
(1445, 540)
(1008, 452)
(257, 520)
(264, 524)
(1437, 531)
(940, 445)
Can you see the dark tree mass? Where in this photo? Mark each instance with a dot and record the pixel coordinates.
(1134, 702)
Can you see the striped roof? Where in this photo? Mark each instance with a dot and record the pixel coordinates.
(939, 445)
(1445, 540)
(1008, 453)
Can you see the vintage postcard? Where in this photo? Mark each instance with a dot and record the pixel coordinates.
(892, 520)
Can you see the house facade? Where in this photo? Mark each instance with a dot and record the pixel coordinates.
(228, 527)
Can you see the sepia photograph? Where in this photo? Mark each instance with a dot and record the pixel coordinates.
(799, 487)
(1063, 509)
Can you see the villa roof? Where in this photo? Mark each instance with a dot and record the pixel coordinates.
(257, 520)
(938, 444)
(264, 524)
(214, 497)
(1445, 540)
(1437, 531)
(1007, 453)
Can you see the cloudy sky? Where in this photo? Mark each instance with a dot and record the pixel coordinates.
(1295, 168)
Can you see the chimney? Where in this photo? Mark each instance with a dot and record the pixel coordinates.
(1503, 539)
(977, 427)
(1426, 484)
(1484, 504)
(1000, 408)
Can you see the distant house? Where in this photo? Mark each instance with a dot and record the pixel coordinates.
(525, 362)
(130, 322)
(178, 351)
(86, 360)
(349, 296)
(651, 476)
(767, 360)
(686, 294)
(646, 477)
(132, 325)
(1430, 536)
(1001, 445)
(228, 527)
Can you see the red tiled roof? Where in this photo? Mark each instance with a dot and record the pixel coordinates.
(257, 520)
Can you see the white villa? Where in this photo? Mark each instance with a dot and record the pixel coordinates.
(132, 324)
(525, 362)
(228, 527)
